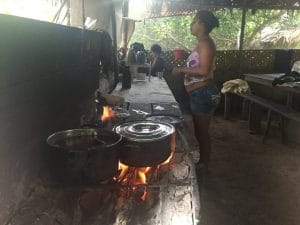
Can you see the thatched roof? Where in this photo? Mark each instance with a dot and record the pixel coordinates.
(161, 8)
(283, 37)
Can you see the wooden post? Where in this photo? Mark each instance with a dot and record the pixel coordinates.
(241, 42)
(83, 14)
(68, 13)
(125, 24)
(114, 37)
(75, 11)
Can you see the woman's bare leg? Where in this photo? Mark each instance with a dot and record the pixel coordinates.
(201, 125)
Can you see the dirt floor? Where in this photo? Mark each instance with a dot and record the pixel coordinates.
(249, 183)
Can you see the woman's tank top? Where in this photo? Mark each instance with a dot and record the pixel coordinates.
(194, 60)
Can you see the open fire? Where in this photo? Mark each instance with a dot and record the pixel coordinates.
(108, 118)
(151, 193)
(107, 114)
(135, 180)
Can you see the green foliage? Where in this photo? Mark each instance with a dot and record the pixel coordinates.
(227, 35)
(174, 32)
(170, 33)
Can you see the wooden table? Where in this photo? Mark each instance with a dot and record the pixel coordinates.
(267, 79)
(153, 97)
(155, 90)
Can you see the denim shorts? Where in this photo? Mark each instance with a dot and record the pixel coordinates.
(205, 100)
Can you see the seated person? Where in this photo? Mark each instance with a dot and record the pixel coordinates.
(157, 62)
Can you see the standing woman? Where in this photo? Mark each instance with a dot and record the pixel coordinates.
(198, 80)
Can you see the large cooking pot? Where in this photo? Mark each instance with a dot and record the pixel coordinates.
(84, 156)
(146, 143)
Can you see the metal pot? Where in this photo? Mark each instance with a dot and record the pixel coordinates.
(146, 144)
(84, 156)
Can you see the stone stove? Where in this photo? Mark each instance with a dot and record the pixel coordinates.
(172, 196)
(172, 199)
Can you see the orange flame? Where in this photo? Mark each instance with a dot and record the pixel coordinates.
(142, 172)
(167, 160)
(107, 114)
(123, 170)
(133, 177)
(139, 177)
(144, 196)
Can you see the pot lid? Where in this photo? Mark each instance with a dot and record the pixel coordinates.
(144, 131)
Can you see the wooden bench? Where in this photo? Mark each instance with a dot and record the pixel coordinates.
(285, 112)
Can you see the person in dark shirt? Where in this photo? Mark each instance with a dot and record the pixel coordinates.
(157, 62)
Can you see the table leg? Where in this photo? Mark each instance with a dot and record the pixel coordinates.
(282, 129)
(245, 109)
(269, 119)
(227, 106)
(255, 116)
